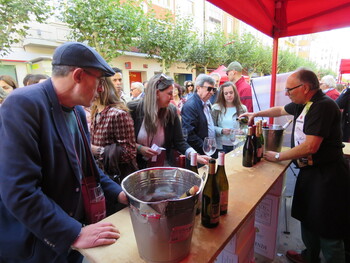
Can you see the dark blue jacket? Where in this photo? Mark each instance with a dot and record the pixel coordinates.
(40, 184)
(194, 120)
(343, 102)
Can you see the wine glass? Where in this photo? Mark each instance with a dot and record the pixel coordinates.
(232, 137)
(241, 135)
(209, 146)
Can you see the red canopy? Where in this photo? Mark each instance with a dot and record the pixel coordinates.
(222, 72)
(344, 66)
(282, 18)
(224, 78)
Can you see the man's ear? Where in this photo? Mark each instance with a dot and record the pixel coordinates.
(77, 75)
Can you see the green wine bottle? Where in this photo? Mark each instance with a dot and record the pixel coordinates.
(193, 167)
(223, 183)
(248, 149)
(211, 199)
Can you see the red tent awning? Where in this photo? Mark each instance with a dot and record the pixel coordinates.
(344, 66)
(282, 18)
(222, 72)
(224, 78)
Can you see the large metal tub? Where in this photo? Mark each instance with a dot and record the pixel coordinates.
(163, 223)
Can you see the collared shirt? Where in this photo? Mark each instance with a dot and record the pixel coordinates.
(206, 110)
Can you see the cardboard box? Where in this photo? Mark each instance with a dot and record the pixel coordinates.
(277, 187)
(265, 241)
(266, 224)
(240, 237)
(245, 254)
(267, 211)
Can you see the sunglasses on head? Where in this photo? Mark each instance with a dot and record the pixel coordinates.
(210, 88)
(161, 79)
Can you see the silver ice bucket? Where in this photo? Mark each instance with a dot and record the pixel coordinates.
(162, 222)
(273, 138)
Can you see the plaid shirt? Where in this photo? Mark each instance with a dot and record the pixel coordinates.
(113, 125)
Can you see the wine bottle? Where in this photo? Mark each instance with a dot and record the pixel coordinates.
(255, 143)
(242, 120)
(182, 161)
(259, 149)
(193, 167)
(223, 183)
(192, 191)
(193, 164)
(248, 149)
(211, 199)
(262, 139)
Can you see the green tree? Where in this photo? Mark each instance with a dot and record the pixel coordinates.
(108, 25)
(166, 39)
(251, 53)
(14, 15)
(207, 52)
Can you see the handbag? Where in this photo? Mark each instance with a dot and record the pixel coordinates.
(94, 200)
(93, 197)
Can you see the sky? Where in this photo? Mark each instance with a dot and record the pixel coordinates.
(341, 38)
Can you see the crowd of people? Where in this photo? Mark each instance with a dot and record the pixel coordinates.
(78, 132)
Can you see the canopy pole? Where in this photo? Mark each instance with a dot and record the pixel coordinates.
(273, 74)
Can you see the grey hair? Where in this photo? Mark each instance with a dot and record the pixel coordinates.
(137, 85)
(329, 81)
(61, 70)
(215, 74)
(202, 78)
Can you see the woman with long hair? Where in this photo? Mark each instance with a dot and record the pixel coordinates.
(157, 124)
(112, 133)
(8, 84)
(225, 112)
(178, 100)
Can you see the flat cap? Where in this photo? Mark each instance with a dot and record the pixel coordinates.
(234, 66)
(80, 55)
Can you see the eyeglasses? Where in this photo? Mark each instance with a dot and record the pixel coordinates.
(101, 80)
(191, 85)
(209, 88)
(161, 79)
(289, 90)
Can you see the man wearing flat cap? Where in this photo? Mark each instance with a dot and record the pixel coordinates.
(234, 74)
(47, 174)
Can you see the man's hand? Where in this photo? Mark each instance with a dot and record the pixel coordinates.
(203, 159)
(250, 116)
(270, 156)
(94, 235)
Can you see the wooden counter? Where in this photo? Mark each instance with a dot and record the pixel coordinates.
(247, 188)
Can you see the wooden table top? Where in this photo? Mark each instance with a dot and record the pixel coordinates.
(248, 186)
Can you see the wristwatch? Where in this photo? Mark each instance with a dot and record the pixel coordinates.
(277, 156)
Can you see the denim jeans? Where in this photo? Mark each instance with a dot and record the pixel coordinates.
(332, 249)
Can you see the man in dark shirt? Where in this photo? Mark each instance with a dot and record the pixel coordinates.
(321, 195)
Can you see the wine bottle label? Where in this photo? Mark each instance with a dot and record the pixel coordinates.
(215, 213)
(259, 152)
(223, 200)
